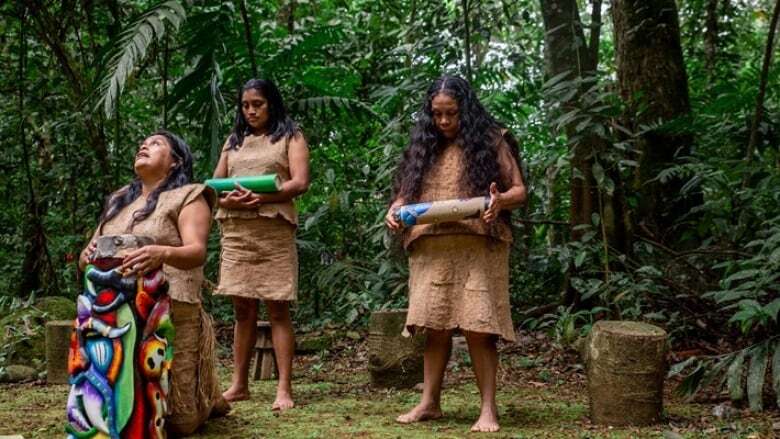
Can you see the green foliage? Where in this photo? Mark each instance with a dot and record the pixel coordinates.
(132, 47)
(353, 75)
(566, 325)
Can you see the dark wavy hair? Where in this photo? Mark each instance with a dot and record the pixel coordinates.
(180, 175)
(479, 134)
(280, 125)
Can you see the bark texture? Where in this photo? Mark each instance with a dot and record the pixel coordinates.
(626, 366)
(394, 360)
(654, 85)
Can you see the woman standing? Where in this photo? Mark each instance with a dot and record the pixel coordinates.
(459, 271)
(259, 257)
(161, 203)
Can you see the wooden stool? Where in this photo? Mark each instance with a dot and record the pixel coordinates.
(265, 361)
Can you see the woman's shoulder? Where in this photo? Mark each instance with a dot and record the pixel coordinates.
(183, 195)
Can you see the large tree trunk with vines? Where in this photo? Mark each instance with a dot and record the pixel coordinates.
(654, 85)
(567, 54)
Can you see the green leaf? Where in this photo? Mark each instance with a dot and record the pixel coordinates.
(772, 309)
(131, 49)
(580, 258)
(743, 274)
(598, 173)
(755, 378)
(679, 367)
(734, 374)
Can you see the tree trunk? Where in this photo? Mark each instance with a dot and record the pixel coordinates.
(770, 44)
(567, 54)
(654, 85)
(47, 28)
(595, 32)
(36, 265)
(711, 36)
(250, 44)
(467, 38)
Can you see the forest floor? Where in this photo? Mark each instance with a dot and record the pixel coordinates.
(542, 394)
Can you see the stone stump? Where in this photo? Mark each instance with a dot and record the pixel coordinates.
(58, 333)
(626, 366)
(394, 360)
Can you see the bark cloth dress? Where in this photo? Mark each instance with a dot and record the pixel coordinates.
(194, 382)
(259, 259)
(458, 271)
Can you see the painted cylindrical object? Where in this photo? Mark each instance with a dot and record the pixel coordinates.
(121, 348)
(255, 183)
(441, 211)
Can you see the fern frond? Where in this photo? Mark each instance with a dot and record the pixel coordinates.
(320, 103)
(132, 47)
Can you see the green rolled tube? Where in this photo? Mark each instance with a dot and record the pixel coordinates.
(256, 183)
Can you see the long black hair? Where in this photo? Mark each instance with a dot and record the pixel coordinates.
(180, 175)
(280, 125)
(479, 134)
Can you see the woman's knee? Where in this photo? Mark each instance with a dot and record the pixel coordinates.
(245, 309)
(278, 311)
(481, 338)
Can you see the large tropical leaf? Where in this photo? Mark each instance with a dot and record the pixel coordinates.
(755, 377)
(132, 47)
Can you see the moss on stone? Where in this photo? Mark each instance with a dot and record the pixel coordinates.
(22, 332)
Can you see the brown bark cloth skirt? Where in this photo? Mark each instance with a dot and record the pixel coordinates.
(259, 259)
(194, 382)
(460, 281)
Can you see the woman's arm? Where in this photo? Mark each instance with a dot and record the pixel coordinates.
(194, 224)
(515, 196)
(235, 199)
(221, 171)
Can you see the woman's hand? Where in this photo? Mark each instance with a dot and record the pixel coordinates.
(145, 259)
(240, 198)
(391, 221)
(496, 204)
(86, 254)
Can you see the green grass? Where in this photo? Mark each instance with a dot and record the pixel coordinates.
(345, 406)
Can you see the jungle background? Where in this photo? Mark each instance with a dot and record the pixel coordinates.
(649, 135)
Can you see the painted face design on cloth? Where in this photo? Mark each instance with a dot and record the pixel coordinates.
(254, 106)
(446, 115)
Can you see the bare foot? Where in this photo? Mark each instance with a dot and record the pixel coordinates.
(488, 420)
(283, 401)
(234, 394)
(423, 412)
